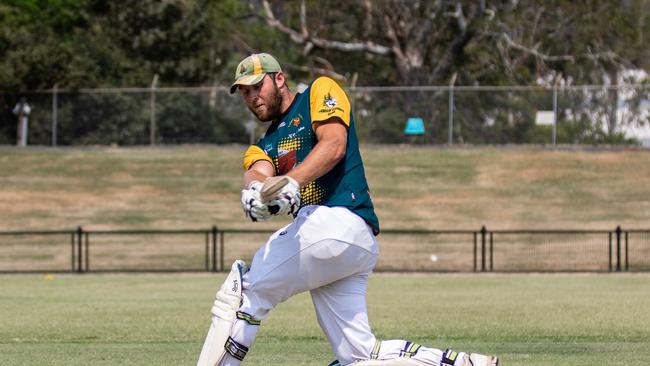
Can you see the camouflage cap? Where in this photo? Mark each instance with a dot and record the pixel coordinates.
(253, 68)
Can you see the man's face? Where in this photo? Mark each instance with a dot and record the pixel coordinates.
(263, 99)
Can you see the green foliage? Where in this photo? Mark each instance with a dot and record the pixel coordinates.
(114, 119)
(98, 43)
(200, 118)
(387, 126)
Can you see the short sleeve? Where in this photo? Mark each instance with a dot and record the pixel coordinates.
(254, 154)
(326, 100)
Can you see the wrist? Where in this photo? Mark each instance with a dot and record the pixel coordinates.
(255, 185)
(293, 181)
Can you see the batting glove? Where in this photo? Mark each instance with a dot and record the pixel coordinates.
(288, 199)
(253, 207)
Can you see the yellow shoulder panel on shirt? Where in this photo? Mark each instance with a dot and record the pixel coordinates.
(327, 99)
(254, 154)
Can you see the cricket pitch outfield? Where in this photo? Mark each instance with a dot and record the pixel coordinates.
(160, 319)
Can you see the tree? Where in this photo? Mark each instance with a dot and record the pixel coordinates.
(483, 42)
(495, 41)
(97, 43)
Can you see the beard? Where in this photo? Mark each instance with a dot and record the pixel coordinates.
(272, 108)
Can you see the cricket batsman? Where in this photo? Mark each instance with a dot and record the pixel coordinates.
(308, 165)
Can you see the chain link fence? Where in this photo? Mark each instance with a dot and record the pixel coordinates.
(449, 115)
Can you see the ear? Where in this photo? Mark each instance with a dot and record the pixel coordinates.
(279, 79)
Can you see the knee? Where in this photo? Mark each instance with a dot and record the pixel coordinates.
(257, 303)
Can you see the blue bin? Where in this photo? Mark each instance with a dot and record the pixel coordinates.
(414, 126)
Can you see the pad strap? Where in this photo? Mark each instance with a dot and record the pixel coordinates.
(375, 350)
(448, 358)
(410, 349)
(235, 349)
(248, 318)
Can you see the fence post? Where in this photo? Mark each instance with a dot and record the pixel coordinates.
(215, 231)
(491, 252)
(55, 112)
(618, 248)
(475, 250)
(87, 250)
(152, 127)
(221, 253)
(80, 233)
(610, 251)
(450, 132)
(555, 115)
(207, 251)
(73, 262)
(483, 234)
(627, 263)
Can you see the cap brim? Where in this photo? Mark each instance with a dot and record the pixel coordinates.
(246, 80)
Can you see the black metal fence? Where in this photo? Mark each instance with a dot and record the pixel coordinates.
(483, 250)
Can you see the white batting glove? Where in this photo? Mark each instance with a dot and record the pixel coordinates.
(253, 207)
(287, 201)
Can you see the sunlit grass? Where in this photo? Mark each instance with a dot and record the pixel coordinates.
(160, 319)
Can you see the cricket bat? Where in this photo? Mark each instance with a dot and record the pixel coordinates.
(270, 191)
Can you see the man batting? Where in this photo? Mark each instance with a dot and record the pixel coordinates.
(308, 165)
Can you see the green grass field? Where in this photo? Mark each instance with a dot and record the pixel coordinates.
(160, 319)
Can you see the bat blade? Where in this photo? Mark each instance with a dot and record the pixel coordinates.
(270, 191)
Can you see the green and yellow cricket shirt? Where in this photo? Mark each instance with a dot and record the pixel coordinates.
(291, 138)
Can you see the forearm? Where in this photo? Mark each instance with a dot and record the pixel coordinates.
(258, 172)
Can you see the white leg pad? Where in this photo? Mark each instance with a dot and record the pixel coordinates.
(475, 359)
(224, 312)
(398, 361)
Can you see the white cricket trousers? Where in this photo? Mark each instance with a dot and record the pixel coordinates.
(329, 251)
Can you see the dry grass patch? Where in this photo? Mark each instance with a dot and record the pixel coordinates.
(424, 187)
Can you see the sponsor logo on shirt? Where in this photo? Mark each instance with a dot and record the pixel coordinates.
(330, 103)
(287, 160)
